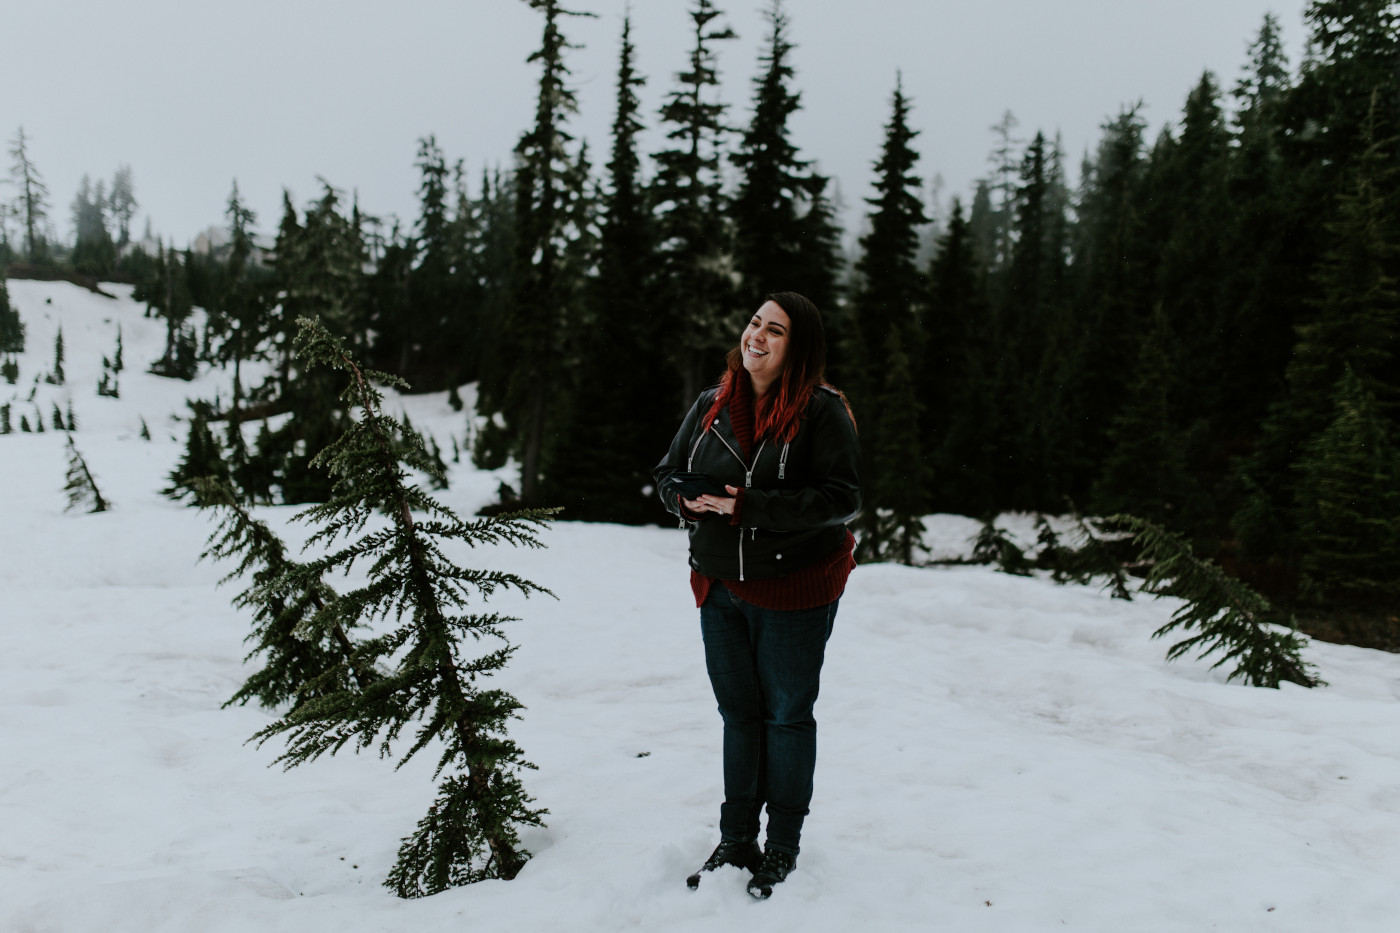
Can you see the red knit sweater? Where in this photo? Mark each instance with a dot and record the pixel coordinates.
(805, 588)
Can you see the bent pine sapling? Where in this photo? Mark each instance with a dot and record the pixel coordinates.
(425, 674)
(1227, 616)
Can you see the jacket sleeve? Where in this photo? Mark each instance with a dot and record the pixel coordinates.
(674, 461)
(833, 498)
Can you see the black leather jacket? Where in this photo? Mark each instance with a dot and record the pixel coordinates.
(797, 496)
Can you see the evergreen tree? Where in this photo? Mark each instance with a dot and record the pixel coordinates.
(616, 413)
(1228, 617)
(31, 199)
(901, 485)
(11, 327)
(56, 375)
(1110, 294)
(172, 300)
(81, 488)
(108, 386)
(203, 460)
(1001, 191)
(886, 307)
(1193, 260)
(1031, 336)
(94, 253)
(1266, 277)
(1349, 503)
(243, 311)
(5, 426)
(425, 675)
(429, 333)
(775, 232)
(1146, 471)
(1353, 55)
(122, 204)
(963, 421)
(1354, 325)
(526, 372)
(696, 263)
(319, 269)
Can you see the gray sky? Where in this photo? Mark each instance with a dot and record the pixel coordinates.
(277, 92)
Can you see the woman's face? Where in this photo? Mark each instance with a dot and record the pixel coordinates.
(765, 342)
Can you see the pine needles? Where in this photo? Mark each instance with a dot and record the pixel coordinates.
(415, 672)
(1225, 615)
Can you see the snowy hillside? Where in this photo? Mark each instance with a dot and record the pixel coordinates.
(996, 753)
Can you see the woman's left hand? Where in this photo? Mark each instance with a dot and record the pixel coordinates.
(724, 505)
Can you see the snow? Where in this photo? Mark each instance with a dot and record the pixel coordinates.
(997, 753)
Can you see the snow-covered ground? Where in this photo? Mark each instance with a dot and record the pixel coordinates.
(997, 753)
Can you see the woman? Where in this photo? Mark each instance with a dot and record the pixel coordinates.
(769, 560)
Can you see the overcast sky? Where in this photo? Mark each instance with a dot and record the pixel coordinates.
(275, 93)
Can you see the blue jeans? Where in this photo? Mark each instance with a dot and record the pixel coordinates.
(765, 666)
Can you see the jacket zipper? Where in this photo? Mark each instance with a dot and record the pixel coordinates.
(748, 483)
(748, 470)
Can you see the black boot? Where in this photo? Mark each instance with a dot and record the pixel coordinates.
(774, 869)
(741, 852)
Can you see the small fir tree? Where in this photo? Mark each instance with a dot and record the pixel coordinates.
(994, 546)
(5, 426)
(470, 832)
(58, 424)
(11, 327)
(145, 434)
(24, 424)
(107, 386)
(82, 488)
(56, 376)
(1226, 615)
(203, 460)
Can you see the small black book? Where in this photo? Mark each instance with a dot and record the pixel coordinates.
(694, 485)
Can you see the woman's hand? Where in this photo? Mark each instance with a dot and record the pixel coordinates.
(722, 505)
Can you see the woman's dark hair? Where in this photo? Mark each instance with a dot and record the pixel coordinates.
(779, 412)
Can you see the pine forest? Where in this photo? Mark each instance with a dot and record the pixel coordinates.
(1200, 330)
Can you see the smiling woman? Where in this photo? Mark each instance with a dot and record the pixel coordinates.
(769, 561)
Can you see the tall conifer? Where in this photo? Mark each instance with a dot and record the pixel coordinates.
(779, 240)
(887, 305)
(696, 260)
(615, 409)
(526, 371)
